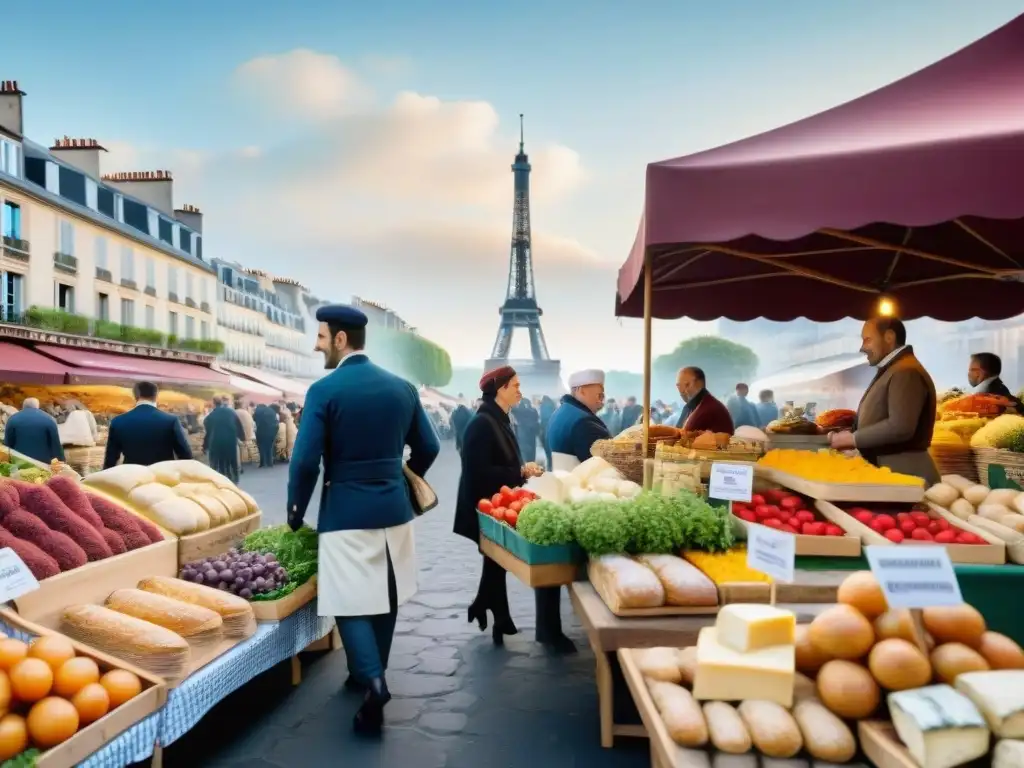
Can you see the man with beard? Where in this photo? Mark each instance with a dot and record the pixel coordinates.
(703, 411)
(896, 416)
(356, 422)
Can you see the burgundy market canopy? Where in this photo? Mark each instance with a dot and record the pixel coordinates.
(914, 191)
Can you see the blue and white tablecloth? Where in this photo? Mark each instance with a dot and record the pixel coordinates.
(189, 702)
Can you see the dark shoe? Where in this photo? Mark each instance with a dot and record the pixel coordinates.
(559, 644)
(501, 628)
(369, 720)
(351, 684)
(477, 614)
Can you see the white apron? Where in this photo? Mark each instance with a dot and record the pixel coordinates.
(565, 462)
(352, 577)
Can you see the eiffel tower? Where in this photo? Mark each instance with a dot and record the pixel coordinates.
(538, 375)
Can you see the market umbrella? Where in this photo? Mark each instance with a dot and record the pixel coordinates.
(912, 192)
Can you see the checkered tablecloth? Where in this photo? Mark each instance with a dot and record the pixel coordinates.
(188, 703)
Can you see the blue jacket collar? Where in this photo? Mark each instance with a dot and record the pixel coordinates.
(570, 400)
(356, 358)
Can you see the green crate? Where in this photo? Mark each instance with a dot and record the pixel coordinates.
(531, 554)
(491, 528)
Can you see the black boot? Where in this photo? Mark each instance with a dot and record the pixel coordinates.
(369, 719)
(352, 684)
(549, 621)
(478, 614)
(502, 627)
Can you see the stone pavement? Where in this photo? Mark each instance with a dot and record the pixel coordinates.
(458, 700)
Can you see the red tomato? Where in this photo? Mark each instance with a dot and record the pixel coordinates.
(834, 530)
(485, 506)
(943, 524)
(515, 506)
(772, 523)
(774, 509)
(787, 528)
(775, 495)
(763, 511)
(746, 514)
(908, 526)
(966, 537)
(505, 490)
(499, 513)
(902, 517)
(945, 537)
(757, 499)
(511, 517)
(784, 515)
(862, 515)
(805, 516)
(496, 500)
(921, 518)
(894, 535)
(934, 527)
(857, 511)
(921, 534)
(791, 502)
(884, 523)
(814, 529)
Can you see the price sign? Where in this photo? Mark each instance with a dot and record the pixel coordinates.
(15, 577)
(771, 552)
(914, 577)
(731, 482)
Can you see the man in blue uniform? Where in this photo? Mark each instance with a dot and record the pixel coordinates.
(222, 432)
(573, 429)
(357, 422)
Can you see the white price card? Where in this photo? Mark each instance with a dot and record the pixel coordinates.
(771, 552)
(914, 577)
(731, 482)
(15, 577)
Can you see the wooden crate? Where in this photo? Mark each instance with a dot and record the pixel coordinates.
(216, 541)
(609, 597)
(881, 745)
(864, 492)
(993, 553)
(819, 546)
(276, 610)
(93, 736)
(531, 575)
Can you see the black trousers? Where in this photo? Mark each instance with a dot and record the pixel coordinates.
(492, 594)
(548, 602)
(265, 443)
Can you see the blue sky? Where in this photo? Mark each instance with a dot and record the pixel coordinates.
(408, 202)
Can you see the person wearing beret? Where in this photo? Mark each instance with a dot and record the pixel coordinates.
(357, 421)
(573, 429)
(491, 459)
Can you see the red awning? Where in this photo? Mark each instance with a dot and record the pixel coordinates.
(20, 365)
(90, 367)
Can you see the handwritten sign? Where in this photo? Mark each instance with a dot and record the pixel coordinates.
(771, 552)
(731, 482)
(15, 577)
(914, 577)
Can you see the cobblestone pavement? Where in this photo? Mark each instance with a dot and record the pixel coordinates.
(458, 700)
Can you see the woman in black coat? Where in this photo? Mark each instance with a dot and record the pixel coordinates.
(491, 459)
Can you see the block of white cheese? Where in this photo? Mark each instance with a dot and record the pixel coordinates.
(1008, 754)
(747, 628)
(724, 674)
(999, 696)
(940, 727)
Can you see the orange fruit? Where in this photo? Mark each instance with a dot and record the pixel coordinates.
(74, 675)
(121, 685)
(31, 680)
(13, 736)
(52, 649)
(92, 702)
(11, 652)
(52, 721)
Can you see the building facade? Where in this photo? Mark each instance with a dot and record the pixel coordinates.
(380, 316)
(262, 321)
(111, 248)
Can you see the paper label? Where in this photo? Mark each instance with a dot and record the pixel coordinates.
(15, 577)
(731, 482)
(914, 577)
(771, 552)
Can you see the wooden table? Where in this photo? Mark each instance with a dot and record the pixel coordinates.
(608, 633)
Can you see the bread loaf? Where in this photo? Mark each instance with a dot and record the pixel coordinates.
(826, 737)
(236, 613)
(120, 480)
(250, 503)
(680, 712)
(214, 509)
(659, 664)
(149, 495)
(772, 729)
(142, 643)
(178, 515)
(193, 622)
(687, 660)
(631, 585)
(233, 502)
(684, 583)
(726, 728)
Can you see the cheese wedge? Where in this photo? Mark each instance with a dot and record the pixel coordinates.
(999, 696)
(1008, 754)
(745, 628)
(940, 727)
(724, 674)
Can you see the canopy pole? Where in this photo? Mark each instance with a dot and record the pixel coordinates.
(648, 308)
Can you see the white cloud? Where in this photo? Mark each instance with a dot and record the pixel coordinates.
(313, 85)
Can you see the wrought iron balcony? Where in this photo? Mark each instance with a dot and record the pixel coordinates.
(125, 282)
(150, 291)
(15, 248)
(65, 262)
(172, 297)
(104, 274)
(190, 303)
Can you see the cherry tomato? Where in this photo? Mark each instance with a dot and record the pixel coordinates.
(791, 502)
(921, 534)
(883, 523)
(895, 535)
(496, 500)
(805, 516)
(499, 513)
(921, 518)
(773, 522)
(908, 526)
(834, 530)
(863, 516)
(945, 537)
(485, 506)
(511, 517)
(746, 514)
(757, 499)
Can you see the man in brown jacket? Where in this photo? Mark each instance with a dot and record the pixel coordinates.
(896, 416)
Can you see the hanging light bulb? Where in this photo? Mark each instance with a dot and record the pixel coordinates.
(886, 307)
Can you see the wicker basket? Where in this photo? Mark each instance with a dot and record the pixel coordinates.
(1012, 463)
(954, 460)
(627, 458)
(85, 461)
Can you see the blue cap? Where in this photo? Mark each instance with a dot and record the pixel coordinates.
(342, 314)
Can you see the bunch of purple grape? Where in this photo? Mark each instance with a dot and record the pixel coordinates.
(241, 573)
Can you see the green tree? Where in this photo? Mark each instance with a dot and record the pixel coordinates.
(624, 384)
(410, 355)
(725, 363)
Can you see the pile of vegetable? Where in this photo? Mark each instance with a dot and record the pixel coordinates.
(1005, 432)
(594, 479)
(506, 504)
(647, 524)
(56, 526)
(271, 564)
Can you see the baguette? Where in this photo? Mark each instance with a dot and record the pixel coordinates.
(772, 729)
(237, 613)
(684, 583)
(154, 648)
(193, 622)
(826, 737)
(726, 728)
(214, 508)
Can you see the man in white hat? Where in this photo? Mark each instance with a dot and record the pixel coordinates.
(573, 429)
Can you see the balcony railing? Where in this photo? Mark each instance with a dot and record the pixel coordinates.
(190, 303)
(65, 262)
(15, 248)
(104, 274)
(172, 297)
(126, 283)
(150, 291)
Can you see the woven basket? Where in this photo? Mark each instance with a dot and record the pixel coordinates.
(1012, 462)
(85, 461)
(627, 458)
(954, 460)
